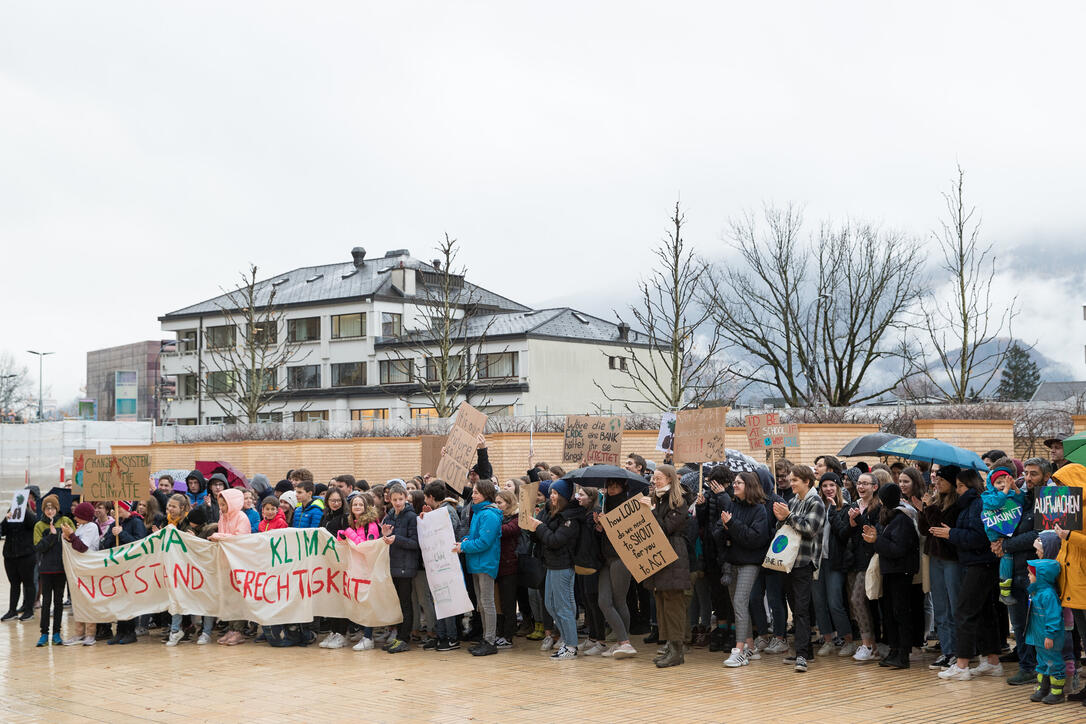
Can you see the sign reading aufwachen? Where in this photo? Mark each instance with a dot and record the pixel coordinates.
(276, 577)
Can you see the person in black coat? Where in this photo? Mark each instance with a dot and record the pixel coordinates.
(848, 528)
(400, 531)
(897, 542)
(128, 528)
(19, 561)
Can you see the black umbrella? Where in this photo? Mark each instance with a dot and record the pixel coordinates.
(867, 444)
(597, 476)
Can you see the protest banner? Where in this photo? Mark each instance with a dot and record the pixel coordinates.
(430, 446)
(1057, 505)
(18, 505)
(78, 456)
(591, 439)
(699, 435)
(1003, 519)
(528, 493)
(460, 446)
(277, 577)
(116, 477)
(665, 440)
(443, 572)
(766, 431)
(642, 546)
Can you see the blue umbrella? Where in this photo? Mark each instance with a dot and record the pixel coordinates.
(932, 450)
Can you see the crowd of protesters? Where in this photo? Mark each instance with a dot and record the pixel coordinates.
(894, 567)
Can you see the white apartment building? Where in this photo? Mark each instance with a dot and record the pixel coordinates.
(346, 321)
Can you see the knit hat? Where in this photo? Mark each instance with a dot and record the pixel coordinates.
(290, 498)
(50, 500)
(949, 473)
(197, 516)
(124, 505)
(84, 511)
(830, 475)
(853, 474)
(283, 486)
(890, 495)
(1050, 543)
(563, 488)
(999, 473)
(545, 488)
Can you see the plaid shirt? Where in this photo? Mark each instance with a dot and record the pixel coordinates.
(807, 515)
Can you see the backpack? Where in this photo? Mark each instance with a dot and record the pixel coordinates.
(587, 558)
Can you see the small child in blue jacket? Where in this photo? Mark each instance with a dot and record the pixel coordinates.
(1045, 630)
(1002, 509)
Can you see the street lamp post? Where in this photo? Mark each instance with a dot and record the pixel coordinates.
(41, 362)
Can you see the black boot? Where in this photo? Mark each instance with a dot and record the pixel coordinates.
(1042, 689)
(653, 637)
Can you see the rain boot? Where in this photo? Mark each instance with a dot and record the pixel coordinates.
(1055, 690)
(1042, 689)
(674, 655)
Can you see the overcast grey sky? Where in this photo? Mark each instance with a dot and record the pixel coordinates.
(151, 150)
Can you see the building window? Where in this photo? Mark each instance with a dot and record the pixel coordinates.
(417, 412)
(224, 420)
(269, 378)
(391, 324)
(188, 386)
(307, 329)
(220, 383)
(348, 374)
(266, 417)
(264, 334)
(305, 377)
(310, 415)
(492, 366)
(454, 371)
(375, 413)
(348, 325)
(186, 340)
(396, 371)
(185, 421)
(617, 363)
(221, 337)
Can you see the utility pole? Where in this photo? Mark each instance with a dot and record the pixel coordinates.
(41, 367)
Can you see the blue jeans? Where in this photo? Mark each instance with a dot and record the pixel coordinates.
(829, 602)
(175, 623)
(1027, 656)
(445, 628)
(946, 579)
(559, 601)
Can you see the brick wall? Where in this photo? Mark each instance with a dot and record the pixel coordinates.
(978, 435)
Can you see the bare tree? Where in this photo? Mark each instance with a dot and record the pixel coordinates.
(813, 335)
(963, 331)
(245, 355)
(15, 389)
(681, 366)
(447, 342)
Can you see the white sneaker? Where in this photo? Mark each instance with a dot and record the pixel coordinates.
(175, 638)
(364, 645)
(595, 649)
(864, 653)
(338, 641)
(760, 643)
(956, 674)
(777, 646)
(624, 651)
(752, 655)
(204, 639)
(89, 641)
(826, 649)
(547, 643)
(73, 641)
(565, 652)
(610, 651)
(737, 659)
(848, 649)
(986, 669)
(327, 640)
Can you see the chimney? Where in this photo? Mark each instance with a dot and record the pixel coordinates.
(436, 264)
(359, 255)
(624, 331)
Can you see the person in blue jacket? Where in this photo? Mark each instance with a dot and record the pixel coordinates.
(482, 551)
(196, 488)
(310, 510)
(1045, 630)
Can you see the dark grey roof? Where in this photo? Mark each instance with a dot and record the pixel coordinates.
(340, 282)
(560, 323)
(1058, 391)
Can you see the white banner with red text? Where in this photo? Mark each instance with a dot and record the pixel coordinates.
(277, 577)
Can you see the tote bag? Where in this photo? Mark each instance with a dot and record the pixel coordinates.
(783, 550)
(873, 579)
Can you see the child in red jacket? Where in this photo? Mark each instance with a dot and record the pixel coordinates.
(271, 516)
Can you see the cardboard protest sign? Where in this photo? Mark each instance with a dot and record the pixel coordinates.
(642, 546)
(665, 440)
(431, 452)
(766, 431)
(1003, 519)
(18, 505)
(116, 477)
(591, 439)
(78, 456)
(699, 435)
(1057, 505)
(278, 577)
(443, 572)
(460, 445)
(528, 493)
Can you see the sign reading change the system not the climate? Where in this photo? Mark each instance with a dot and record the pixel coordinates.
(115, 477)
(1057, 505)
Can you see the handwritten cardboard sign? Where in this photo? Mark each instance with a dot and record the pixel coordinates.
(77, 469)
(431, 452)
(528, 494)
(460, 445)
(443, 572)
(767, 431)
(1058, 505)
(638, 539)
(591, 439)
(115, 477)
(699, 435)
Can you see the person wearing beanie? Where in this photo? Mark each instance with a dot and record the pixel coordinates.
(82, 539)
(557, 529)
(50, 567)
(128, 528)
(283, 486)
(1002, 510)
(288, 502)
(941, 509)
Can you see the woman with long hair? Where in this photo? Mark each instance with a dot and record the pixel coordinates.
(828, 590)
(942, 509)
(670, 507)
(848, 528)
